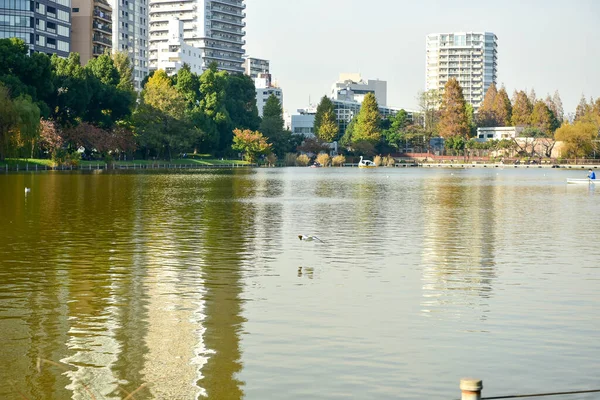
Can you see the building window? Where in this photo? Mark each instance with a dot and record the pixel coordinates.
(63, 30)
(76, 9)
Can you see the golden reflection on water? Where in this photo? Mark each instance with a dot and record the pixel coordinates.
(458, 253)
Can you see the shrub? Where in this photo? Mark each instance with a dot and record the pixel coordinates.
(290, 159)
(378, 160)
(323, 159)
(61, 157)
(338, 161)
(302, 160)
(390, 161)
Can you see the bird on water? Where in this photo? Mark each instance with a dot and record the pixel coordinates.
(309, 238)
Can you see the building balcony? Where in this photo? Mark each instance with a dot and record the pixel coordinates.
(102, 27)
(103, 4)
(226, 48)
(233, 3)
(99, 50)
(229, 40)
(230, 58)
(221, 28)
(231, 21)
(103, 16)
(99, 39)
(220, 10)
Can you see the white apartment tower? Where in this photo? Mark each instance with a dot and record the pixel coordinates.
(130, 35)
(470, 57)
(215, 27)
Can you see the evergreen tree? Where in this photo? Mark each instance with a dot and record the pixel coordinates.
(582, 109)
(240, 102)
(123, 65)
(324, 106)
(486, 113)
(558, 107)
(532, 96)
(471, 119)
(454, 119)
(272, 127)
(543, 119)
(328, 129)
(522, 108)
(367, 128)
(502, 108)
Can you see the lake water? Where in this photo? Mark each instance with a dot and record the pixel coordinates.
(183, 285)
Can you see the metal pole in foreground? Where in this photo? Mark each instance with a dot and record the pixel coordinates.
(471, 388)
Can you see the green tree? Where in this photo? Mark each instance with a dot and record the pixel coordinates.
(367, 128)
(124, 68)
(471, 119)
(454, 119)
(27, 124)
(240, 102)
(346, 139)
(543, 118)
(325, 109)
(583, 108)
(213, 85)
(272, 127)
(396, 136)
(161, 121)
(578, 138)
(252, 144)
(522, 109)
(188, 84)
(328, 129)
(8, 120)
(502, 108)
(486, 115)
(73, 92)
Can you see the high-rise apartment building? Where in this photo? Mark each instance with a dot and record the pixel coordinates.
(92, 28)
(470, 57)
(255, 66)
(174, 53)
(215, 27)
(130, 35)
(44, 25)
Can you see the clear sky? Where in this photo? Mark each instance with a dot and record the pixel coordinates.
(547, 45)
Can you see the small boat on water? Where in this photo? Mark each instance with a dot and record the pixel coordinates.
(581, 181)
(366, 163)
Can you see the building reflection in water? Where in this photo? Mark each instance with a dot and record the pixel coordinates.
(458, 257)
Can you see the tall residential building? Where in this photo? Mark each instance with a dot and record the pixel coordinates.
(92, 28)
(351, 87)
(215, 27)
(471, 58)
(264, 89)
(173, 53)
(255, 66)
(130, 34)
(44, 25)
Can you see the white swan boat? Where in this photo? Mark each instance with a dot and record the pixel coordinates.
(366, 163)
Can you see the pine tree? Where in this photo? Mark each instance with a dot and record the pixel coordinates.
(324, 105)
(328, 129)
(532, 96)
(502, 108)
(486, 115)
(367, 127)
(558, 107)
(582, 109)
(453, 120)
(543, 118)
(522, 108)
(272, 126)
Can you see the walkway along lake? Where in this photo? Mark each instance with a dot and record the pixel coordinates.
(185, 284)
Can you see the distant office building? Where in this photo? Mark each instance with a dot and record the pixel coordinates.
(303, 123)
(215, 27)
(471, 58)
(264, 89)
(255, 66)
(45, 26)
(351, 87)
(92, 28)
(346, 110)
(130, 35)
(173, 53)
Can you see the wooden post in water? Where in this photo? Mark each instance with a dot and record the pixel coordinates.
(471, 388)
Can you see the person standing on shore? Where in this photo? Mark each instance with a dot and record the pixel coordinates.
(592, 174)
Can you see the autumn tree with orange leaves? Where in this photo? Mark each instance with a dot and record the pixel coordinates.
(454, 120)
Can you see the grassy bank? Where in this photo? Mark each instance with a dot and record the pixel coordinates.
(32, 162)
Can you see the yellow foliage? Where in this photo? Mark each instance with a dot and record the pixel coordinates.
(577, 138)
(302, 160)
(323, 159)
(338, 161)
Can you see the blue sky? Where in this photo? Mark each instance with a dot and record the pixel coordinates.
(546, 45)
